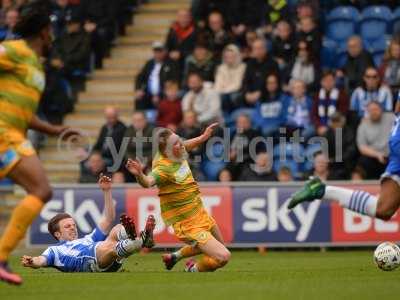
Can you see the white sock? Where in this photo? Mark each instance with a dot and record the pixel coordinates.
(177, 254)
(358, 201)
(121, 235)
(126, 248)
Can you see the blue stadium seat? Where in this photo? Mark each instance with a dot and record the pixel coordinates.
(309, 156)
(151, 115)
(375, 22)
(328, 54)
(396, 21)
(289, 150)
(342, 23)
(3, 33)
(377, 48)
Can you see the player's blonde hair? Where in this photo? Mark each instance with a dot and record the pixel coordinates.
(163, 136)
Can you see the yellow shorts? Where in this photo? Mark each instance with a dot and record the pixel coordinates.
(13, 145)
(195, 229)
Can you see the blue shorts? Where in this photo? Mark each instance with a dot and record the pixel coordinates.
(392, 171)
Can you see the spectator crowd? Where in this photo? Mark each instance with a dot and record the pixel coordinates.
(256, 67)
(261, 69)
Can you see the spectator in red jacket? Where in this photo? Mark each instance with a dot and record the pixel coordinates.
(169, 109)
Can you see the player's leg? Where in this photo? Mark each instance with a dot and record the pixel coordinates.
(389, 199)
(28, 173)
(171, 259)
(216, 256)
(359, 201)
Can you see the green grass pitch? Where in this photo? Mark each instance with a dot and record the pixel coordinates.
(249, 275)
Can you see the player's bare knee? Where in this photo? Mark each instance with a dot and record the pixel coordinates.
(385, 214)
(44, 192)
(224, 257)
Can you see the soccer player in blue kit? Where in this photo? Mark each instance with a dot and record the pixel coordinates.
(383, 206)
(100, 251)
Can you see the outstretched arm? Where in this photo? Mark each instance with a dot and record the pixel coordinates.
(49, 129)
(34, 262)
(136, 169)
(107, 220)
(197, 141)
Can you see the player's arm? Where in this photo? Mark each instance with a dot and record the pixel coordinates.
(136, 169)
(34, 262)
(108, 217)
(49, 129)
(197, 141)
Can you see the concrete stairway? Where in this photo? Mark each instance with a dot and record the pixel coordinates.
(113, 85)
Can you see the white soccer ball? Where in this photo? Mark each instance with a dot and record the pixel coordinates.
(387, 256)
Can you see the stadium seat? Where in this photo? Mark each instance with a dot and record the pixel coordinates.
(3, 33)
(328, 54)
(287, 151)
(375, 22)
(377, 48)
(342, 23)
(396, 21)
(309, 156)
(211, 168)
(151, 115)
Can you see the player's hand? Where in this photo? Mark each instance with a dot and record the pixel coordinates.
(105, 182)
(209, 131)
(27, 261)
(134, 167)
(65, 131)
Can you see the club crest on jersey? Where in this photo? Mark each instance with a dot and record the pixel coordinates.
(183, 172)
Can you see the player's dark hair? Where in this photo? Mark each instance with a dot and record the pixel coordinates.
(33, 17)
(54, 224)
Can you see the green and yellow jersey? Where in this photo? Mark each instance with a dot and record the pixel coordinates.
(22, 82)
(178, 191)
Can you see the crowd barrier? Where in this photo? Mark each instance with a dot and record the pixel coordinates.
(249, 215)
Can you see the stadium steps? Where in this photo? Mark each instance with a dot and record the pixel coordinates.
(113, 85)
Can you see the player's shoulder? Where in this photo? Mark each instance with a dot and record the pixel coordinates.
(16, 49)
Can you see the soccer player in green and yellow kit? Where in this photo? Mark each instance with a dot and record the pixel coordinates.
(181, 204)
(22, 82)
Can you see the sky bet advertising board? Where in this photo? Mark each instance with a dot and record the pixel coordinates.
(247, 216)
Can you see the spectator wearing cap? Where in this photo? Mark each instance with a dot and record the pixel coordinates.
(357, 61)
(229, 77)
(342, 161)
(151, 79)
(371, 90)
(327, 101)
(201, 62)
(258, 68)
(181, 38)
(203, 100)
(372, 140)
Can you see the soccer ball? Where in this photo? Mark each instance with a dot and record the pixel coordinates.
(387, 256)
